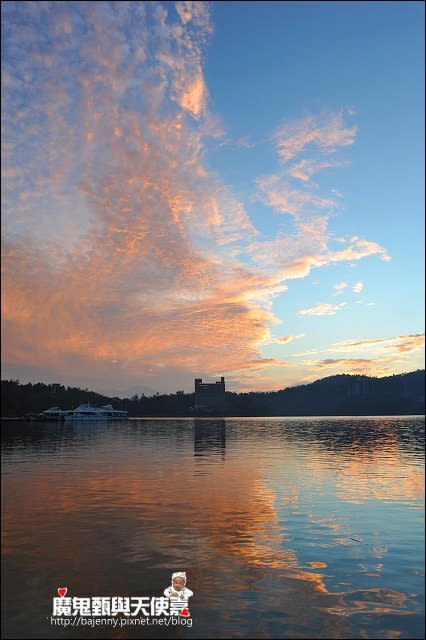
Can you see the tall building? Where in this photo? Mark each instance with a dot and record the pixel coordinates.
(209, 397)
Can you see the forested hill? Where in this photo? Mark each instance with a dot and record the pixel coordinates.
(335, 395)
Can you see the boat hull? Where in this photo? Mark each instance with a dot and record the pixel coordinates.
(95, 418)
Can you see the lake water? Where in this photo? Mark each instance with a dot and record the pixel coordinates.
(286, 527)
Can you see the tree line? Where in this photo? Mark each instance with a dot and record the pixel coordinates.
(334, 395)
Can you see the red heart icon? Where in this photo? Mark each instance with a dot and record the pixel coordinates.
(184, 612)
(62, 592)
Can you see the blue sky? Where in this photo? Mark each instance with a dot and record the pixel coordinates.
(196, 190)
(278, 60)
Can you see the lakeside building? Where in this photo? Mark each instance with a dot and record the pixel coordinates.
(209, 397)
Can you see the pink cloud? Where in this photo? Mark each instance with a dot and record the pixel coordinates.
(193, 97)
(286, 339)
(128, 256)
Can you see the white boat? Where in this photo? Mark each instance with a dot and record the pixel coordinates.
(91, 412)
(54, 413)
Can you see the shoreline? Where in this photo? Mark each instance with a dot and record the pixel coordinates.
(204, 417)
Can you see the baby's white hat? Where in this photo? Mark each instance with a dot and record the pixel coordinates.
(179, 574)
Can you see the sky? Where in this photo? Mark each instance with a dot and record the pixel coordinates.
(195, 190)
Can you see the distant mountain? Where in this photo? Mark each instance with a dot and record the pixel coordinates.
(335, 395)
(350, 395)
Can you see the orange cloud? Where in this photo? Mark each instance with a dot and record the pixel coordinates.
(385, 356)
(124, 250)
(192, 99)
(399, 344)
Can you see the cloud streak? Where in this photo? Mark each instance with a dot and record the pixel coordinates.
(393, 345)
(339, 287)
(325, 131)
(322, 309)
(286, 339)
(399, 344)
(305, 169)
(280, 195)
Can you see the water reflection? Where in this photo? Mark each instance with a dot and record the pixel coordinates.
(210, 438)
(305, 528)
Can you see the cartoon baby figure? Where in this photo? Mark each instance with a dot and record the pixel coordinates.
(178, 592)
